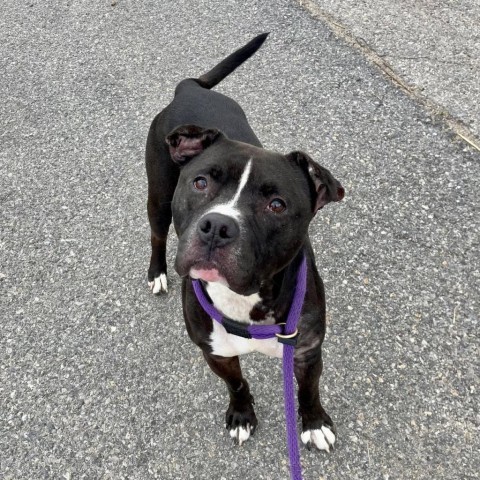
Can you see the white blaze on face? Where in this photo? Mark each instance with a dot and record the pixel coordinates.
(229, 209)
(243, 182)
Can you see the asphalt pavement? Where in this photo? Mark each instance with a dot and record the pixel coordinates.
(434, 47)
(98, 379)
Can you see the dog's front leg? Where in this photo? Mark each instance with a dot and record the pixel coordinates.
(240, 417)
(317, 427)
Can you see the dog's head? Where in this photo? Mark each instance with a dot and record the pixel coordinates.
(241, 212)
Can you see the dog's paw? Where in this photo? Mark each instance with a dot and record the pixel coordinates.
(321, 439)
(241, 421)
(241, 434)
(159, 284)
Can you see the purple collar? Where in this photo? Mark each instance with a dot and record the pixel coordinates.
(287, 334)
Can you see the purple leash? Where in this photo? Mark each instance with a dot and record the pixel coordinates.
(286, 334)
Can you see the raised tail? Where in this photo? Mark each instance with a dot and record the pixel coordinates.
(234, 60)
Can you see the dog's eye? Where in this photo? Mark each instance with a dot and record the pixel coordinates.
(277, 205)
(200, 183)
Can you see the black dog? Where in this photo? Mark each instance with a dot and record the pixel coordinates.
(241, 214)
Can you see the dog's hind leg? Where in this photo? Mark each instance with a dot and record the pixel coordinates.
(160, 216)
(162, 180)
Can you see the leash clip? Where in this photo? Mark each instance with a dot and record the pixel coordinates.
(287, 339)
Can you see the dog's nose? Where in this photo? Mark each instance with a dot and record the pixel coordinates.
(217, 230)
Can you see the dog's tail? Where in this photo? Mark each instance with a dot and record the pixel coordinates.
(227, 66)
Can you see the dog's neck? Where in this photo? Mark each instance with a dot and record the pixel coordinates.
(235, 306)
(267, 306)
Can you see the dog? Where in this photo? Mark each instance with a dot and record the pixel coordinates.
(241, 214)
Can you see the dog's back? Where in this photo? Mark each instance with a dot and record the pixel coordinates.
(195, 103)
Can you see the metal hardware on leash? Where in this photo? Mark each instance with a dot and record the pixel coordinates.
(287, 339)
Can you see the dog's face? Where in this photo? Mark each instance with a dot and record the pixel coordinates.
(241, 213)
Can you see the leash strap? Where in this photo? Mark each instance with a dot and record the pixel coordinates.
(288, 373)
(286, 334)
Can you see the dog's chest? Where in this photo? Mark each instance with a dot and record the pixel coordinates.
(238, 307)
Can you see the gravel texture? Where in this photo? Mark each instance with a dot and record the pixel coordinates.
(98, 379)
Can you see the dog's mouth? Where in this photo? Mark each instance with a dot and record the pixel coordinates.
(207, 274)
(212, 273)
(221, 266)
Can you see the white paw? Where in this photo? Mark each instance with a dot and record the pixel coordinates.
(322, 439)
(159, 284)
(241, 434)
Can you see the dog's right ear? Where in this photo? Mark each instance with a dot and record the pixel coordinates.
(187, 141)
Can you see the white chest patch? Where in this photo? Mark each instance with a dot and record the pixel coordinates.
(228, 345)
(232, 304)
(238, 307)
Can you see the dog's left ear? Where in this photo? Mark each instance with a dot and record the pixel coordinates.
(187, 141)
(326, 187)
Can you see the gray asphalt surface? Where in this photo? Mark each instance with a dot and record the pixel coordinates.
(98, 379)
(434, 45)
